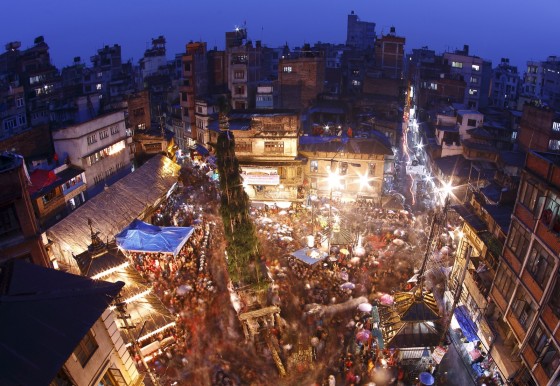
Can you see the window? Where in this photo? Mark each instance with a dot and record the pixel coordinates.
(550, 360)
(473, 91)
(187, 66)
(287, 69)
(9, 123)
(554, 301)
(113, 377)
(246, 147)
(314, 166)
(114, 129)
(238, 74)
(343, 168)
(86, 348)
(457, 64)
(518, 240)
(538, 339)
(9, 223)
(555, 126)
(540, 264)
(72, 182)
(98, 86)
(523, 308)
(49, 196)
(475, 67)
(356, 82)
(371, 170)
(530, 196)
(239, 90)
(139, 112)
(474, 80)
(91, 139)
(274, 147)
(19, 102)
(103, 134)
(471, 122)
(21, 120)
(551, 213)
(505, 281)
(554, 145)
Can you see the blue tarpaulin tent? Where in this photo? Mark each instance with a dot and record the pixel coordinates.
(465, 322)
(143, 237)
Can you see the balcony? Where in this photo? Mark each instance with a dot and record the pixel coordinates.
(478, 285)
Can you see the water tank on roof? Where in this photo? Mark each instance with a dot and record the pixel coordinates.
(12, 46)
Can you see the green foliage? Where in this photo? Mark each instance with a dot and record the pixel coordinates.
(244, 265)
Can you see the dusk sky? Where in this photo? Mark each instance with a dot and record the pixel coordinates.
(517, 29)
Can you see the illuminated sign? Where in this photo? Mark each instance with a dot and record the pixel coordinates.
(260, 176)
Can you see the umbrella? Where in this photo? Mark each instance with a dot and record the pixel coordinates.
(363, 335)
(365, 307)
(398, 242)
(386, 299)
(183, 289)
(348, 285)
(345, 251)
(426, 378)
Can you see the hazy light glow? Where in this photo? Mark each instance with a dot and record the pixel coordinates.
(334, 180)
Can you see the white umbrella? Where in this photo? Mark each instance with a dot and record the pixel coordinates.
(183, 289)
(365, 307)
(348, 285)
(398, 242)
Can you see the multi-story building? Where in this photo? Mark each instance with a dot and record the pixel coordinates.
(247, 65)
(56, 192)
(476, 73)
(266, 144)
(194, 84)
(539, 128)
(99, 146)
(526, 290)
(359, 34)
(139, 117)
(20, 236)
(206, 116)
(154, 58)
(389, 54)
(345, 169)
(541, 82)
(301, 77)
(505, 85)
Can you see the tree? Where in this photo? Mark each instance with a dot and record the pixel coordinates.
(244, 263)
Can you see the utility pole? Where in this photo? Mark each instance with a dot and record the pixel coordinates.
(121, 314)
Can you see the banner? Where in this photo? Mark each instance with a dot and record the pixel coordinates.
(438, 354)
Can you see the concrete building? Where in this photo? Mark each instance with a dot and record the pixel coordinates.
(504, 89)
(539, 129)
(476, 73)
(541, 82)
(359, 34)
(389, 54)
(345, 169)
(266, 144)
(154, 58)
(301, 77)
(57, 192)
(20, 235)
(99, 146)
(194, 84)
(527, 284)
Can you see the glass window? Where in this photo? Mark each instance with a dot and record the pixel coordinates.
(287, 69)
(518, 240)
(530, 196)
(540, 264)
(475, 67)
(523, 307)
(550, 360)
(314, 166)
(457, 64)
(86, 348)
(274, 147)
(554, 301)
(505, 281)
(538, 339)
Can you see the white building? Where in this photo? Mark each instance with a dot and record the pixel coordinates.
(99, 146)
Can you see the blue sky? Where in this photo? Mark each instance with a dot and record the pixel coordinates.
(520, 30)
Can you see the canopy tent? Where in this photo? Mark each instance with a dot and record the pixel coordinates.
(133, 196)
(309, 256)
(140, 236)
(468, 327)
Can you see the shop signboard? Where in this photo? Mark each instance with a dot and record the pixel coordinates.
(260, 176)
